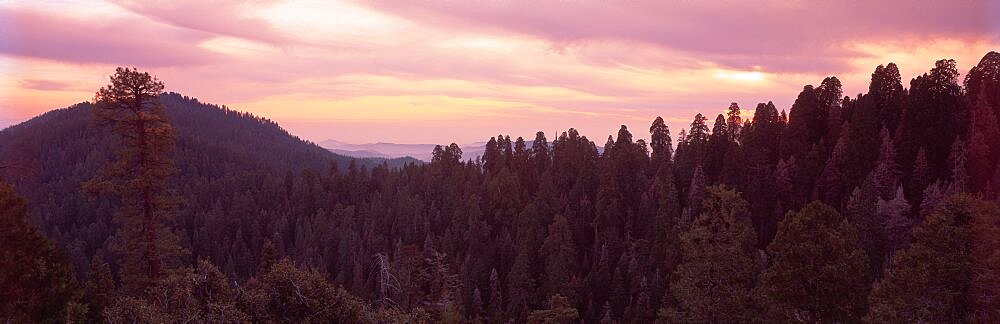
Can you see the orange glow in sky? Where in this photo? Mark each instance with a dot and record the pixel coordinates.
(429, 71)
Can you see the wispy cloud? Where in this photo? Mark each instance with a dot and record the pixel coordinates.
(127, 41)
(457, 71)
(220, 17)
(46, 85)
(776, 35)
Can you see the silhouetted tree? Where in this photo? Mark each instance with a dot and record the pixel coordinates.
(660, 143)
(130, 105)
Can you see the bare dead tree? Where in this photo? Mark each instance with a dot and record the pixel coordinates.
(388, 284)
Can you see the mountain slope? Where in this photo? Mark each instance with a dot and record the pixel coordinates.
(218, 151)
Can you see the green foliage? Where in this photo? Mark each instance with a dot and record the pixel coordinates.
(35, 283)
(984, 237)
(818, 271)
(99, 290)
(929, 281)
(714, 281)
(560, 258)
(200, 294)
(287, 294)
(660, 142)
(520, 285)
(559, 312)
(131, 106)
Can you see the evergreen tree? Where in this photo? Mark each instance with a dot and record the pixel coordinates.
(477, 303)
(807, 124)
(983, 80)
(520, 287)
(268, 256)
(818, 271)
(667, 221)
(619, 296)
(99, 290)
(830, 93)
(860, 212)
(560, 257)
(830, 184)
(734, 122)
(130, 105)
(492, 157)
(933, 195)
(919, 178)
(894, 222)
(560, 311)
(958, 177)
(930, 280)
(35, 283)
(692, 155)
(733, 167)
(984, 259)
(761, 141)
(696, 193)
(981, 84)
(660, 143)
(718, 145)
(887, 94)
(506, 149)
(881, 108)
(885, 176)
(286, 294)
(641, 308)
(540, 153)
(714, 281)
(983, 148)
(935, 117)
(606, 317)
(496, 296)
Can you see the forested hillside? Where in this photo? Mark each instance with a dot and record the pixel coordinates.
(220, 154)
(879, 207)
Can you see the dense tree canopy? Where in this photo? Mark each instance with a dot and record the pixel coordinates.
(714, 282)
(949, 273)
(818, 271)
(35, 283)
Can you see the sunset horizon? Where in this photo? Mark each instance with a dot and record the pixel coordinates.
(441, 72)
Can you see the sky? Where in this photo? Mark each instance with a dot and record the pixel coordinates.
(442, 71)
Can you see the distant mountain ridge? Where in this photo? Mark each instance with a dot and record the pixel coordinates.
(422, 152)
(386, 150)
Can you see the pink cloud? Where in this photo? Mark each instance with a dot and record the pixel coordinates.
(223, 17)
(36, 84)
(122, 41)
(778, 36)
(590, 64)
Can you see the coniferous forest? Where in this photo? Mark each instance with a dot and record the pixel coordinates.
(146, 206)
